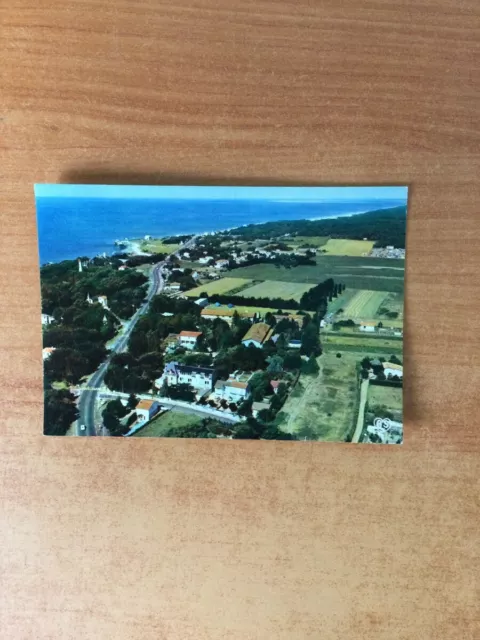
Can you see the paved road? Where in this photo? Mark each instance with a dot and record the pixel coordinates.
(88, 397)
(361, 410)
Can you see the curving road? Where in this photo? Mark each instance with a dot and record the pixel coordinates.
(85, 425)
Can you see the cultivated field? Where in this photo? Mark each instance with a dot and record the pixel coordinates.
(326, 408)
(341, 301)
(373, 274)
(218, 286)
(277, 289)
(364, 304)
(161, 424)
(364, 343)
(343, 247)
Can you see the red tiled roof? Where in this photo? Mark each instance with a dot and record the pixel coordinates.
(145, 404)
(190, 334)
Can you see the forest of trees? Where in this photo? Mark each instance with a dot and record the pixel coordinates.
(82, 329)
(385, 226)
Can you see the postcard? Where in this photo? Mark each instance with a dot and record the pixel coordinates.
(271, 313)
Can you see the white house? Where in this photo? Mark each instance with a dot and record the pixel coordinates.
(188, 339)
(103, 301)
(202, 302)
(200, 378)
(232, 390)
(257, 335)
(205, 259)
(186, 254)
(46, 319)
(369, 327)
(221, 264)
(172, 286)
(295, 344)
(392, 369)
(146, 409)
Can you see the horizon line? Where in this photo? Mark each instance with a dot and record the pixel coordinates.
(266, 194)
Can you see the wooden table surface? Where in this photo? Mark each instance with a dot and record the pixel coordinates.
(202, 540)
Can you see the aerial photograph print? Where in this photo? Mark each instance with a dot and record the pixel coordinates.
(272, 313)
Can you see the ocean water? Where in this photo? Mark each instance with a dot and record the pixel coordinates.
(73, 227)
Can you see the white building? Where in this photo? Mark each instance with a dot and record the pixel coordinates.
(200, 378)
(146, 409)
(188, 339)
(205, 259)
(46, 319)
(235, 389)
(369, 327)
(221, 264)
(103, 301)
(391, 369)
(172, 286)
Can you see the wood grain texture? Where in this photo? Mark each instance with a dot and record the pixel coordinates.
(201, 540)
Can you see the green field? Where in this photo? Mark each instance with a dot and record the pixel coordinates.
(364, 304)
(218, 286)
(326, 409)
(161, 424)
(341, 301)
(374, 274)
(344, 247)
(393, 303)
(363, 343)
(277, 289)
(389, 397)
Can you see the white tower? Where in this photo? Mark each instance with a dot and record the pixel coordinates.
(80, 266)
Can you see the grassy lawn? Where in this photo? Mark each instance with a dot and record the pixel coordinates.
(158, 246)
(356, 273)
(161, 424)
(327, 408)
(389, 397)
(277, 289)
(344, 247)
(364, 304)
(218, 286)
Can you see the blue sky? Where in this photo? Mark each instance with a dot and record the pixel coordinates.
(277, 194)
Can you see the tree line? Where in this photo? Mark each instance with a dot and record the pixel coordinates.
(384, 226)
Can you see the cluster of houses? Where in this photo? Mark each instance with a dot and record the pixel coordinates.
(390, 369)
(384, 431)
(388, 252)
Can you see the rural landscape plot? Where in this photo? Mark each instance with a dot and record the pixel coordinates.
(198, 312)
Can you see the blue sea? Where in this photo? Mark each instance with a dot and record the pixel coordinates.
(73, 227)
